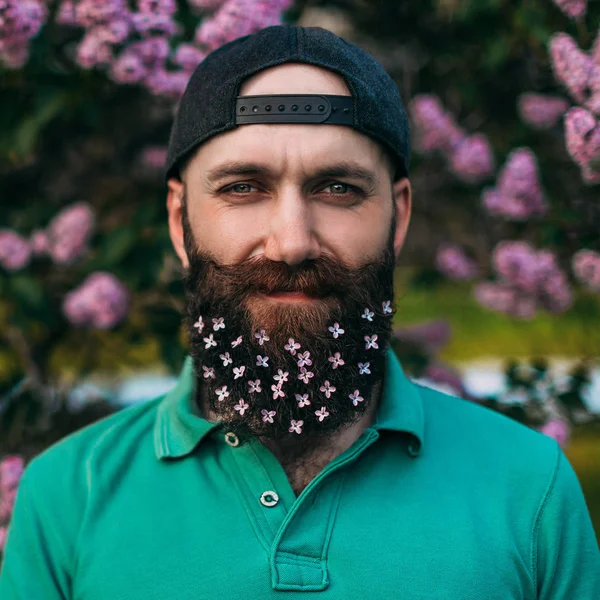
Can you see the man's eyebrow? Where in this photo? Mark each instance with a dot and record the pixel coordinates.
(344, 169)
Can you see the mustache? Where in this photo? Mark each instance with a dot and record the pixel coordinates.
(319, 278)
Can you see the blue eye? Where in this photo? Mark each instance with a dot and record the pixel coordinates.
(235, 188)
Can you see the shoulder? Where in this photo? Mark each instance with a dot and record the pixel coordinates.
(109, 439)
(487, 439)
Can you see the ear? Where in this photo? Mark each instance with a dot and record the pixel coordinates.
(402, 195)
(175, 209)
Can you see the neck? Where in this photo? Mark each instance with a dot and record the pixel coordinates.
(302, 465)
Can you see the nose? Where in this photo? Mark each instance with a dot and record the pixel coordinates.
(291, 236)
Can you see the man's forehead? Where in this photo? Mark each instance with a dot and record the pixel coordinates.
(295, 78)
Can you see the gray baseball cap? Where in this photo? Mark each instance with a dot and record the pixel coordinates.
(211, 103)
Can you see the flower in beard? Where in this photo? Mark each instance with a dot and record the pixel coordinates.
(321, 414)
(305, 375)
(241, 407)
(239, 294)
(302, 400)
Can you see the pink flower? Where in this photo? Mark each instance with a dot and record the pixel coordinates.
(582, 133)
(435, 129)
(11, 470)
(188, 57)
(94, 12)
(39, 242)
(93, 51)
(558, 430)
(128, 68)
(115, 31)
(69, 232)
(158, 7)
(497, 296)
(586, 267)
(518, 194)
(101, 301)
(67, 13)
(454, 263)
(15, 250)
(154, 157)
(541, 111)
(149, 24)
(572, 67)
(516, 263)
(572, 8)
(528, 279)
(473, 161)
(205, 5)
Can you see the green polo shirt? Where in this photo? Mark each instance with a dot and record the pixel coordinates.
(439, 499)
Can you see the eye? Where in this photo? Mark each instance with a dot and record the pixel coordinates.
(239, 188)
(340, 188)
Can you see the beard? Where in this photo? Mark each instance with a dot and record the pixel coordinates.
(284, 371)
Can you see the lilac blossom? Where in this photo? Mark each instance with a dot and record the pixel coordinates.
(15, 250)
(128, 68)
(67, 13)
(572, 8)
(93, 51)
(188, 57)
(89, 13)
(582, 133)
(541, 111)
(20, 21)
(470, 157)
(157, 7)
(454, 263)
(205, 5)
(528, 279)
(69, 232)
(435, 128)
(115, 31)
(518, 194)
(572, 67)
(11, 470)
(40, 244)
(148, 24)
(586, 268)
(236, 18)
(472, 160)
(101, 301)
(558, 430)
(154, 157)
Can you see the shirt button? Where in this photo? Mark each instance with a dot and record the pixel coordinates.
(269, 498)
(232, 439)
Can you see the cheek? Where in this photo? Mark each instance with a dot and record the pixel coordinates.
(355, 236)
(228, 233)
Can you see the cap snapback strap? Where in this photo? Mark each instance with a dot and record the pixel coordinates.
(290, 108)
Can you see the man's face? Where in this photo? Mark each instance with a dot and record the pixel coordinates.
(287, 198)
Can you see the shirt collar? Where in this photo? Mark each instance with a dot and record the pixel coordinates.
(179, 428)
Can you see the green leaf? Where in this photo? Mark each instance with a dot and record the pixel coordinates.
(117, 245)
(27, 291)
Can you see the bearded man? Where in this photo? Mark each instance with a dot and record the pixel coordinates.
(294, 455)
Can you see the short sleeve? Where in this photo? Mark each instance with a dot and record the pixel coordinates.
(35, 564)
(566, 558)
